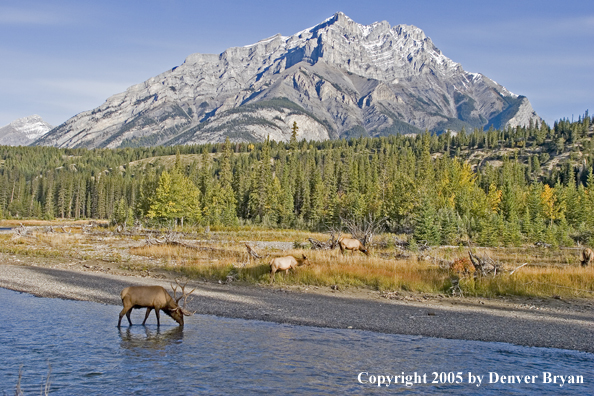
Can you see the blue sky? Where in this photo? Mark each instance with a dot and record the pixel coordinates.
(61, 57)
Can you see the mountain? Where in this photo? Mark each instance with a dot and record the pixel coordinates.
(24, 131)
(337, 79)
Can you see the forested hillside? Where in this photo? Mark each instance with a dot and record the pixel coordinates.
(507, 187)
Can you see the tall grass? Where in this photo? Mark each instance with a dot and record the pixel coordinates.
(535, 282)
(549, 272)
(382, 272)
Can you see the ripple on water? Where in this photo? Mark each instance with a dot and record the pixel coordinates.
(89, 355)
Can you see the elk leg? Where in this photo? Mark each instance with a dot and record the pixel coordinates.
(128, 316)
(158, 319)
(122, 313)
(272, 275)
(148, 311)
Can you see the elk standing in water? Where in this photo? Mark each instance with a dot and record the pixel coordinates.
(157, 298)
(587, 256)
(285, 264)
(352, 245)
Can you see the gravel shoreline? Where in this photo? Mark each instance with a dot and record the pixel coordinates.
(467, 319)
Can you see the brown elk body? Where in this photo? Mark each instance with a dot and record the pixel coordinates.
(587, 256)
(152, 297)
(352, 245)
(285, 264)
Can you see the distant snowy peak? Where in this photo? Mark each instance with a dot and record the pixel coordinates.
(32, 127)
(24, 131)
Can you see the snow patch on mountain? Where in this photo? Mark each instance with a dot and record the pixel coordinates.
(338, 78)
(24, 131)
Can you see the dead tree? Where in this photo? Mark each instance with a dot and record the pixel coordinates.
(335, 235)
(484, 265)
(318, 245)
(20, 231)
(251, 254)
(330, 244)
(364, 228)
(455, 289)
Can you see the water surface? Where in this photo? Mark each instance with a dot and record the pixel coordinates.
(90, 356)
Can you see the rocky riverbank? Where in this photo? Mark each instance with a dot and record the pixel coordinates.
(549, 323)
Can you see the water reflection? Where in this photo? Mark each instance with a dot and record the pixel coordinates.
(213, 355)
(147, 338)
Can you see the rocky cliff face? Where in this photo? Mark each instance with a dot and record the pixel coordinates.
(337, 79)
(24, 131)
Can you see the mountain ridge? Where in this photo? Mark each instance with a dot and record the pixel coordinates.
(24, 131)
(336, 79)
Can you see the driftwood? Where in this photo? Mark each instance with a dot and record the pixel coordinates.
(251, 252)
(20, 231)
(330, 244)
(401, 244)
(455, 289)
(517, 268)
(317, 245)
(484, 265)
(173, 240)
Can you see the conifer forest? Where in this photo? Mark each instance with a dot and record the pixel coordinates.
(493, 188)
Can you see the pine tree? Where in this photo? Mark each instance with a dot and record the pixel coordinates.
(427, 225)
(293, 141)
(227, 195)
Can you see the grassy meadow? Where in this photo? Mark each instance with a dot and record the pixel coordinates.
(221, 255)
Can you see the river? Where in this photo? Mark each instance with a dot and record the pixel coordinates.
(89, 355)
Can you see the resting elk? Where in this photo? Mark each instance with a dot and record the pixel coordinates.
(587, 256)
(351, 244)
(285, 264)
(157, 298)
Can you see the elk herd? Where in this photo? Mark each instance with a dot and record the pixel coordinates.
(158, 299)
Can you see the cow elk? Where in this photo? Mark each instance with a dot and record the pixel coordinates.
(587, 256)
(285, 264)
(352, 245)
(157, 298)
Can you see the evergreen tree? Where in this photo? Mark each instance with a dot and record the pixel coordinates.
(427, 225)
(293, 141)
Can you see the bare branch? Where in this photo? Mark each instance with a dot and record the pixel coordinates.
(517, 268)
(252, 252)
(364, 228)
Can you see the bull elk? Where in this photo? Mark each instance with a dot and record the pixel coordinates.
(352, 245)
(285, 264)
(587, 256)
(157, 298)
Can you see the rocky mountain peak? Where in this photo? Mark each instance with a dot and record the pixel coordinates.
(24, 131)
(336, 79)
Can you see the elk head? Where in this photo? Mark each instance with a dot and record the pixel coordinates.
(180, 311)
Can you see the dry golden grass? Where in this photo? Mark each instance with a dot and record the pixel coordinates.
(536, 282)
(381, 271)
(56, 240)
(548, 273)
(255, 233)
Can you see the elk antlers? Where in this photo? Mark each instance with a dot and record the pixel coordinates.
(184, 296)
